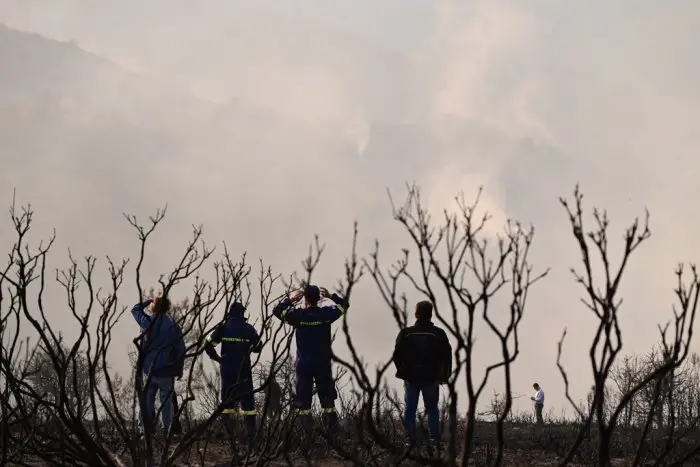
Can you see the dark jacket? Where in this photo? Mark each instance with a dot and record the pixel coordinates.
(423, 354)
(161, 343)
(313, 330)
(238, 339)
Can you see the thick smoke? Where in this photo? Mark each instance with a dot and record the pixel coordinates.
(249, 118)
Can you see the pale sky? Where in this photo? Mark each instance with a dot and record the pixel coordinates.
(270, 121)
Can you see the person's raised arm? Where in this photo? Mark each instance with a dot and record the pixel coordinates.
(340, 307)
(283, 310)
(139, 313)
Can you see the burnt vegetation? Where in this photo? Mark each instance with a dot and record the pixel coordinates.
(63, 404)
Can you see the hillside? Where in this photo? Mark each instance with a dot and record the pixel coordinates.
(66, 111)
(232, 50)
(80, 132)
(63, 108)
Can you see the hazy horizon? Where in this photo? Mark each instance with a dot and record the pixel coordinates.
(271, 123)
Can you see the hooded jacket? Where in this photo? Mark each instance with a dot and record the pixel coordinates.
(161, 342)
(313, 329)
(238, 339)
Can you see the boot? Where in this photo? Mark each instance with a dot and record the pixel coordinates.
(330, 424)
(409, 442)
(251, 430)
(434, 447)
(307, 430)
(229, 427)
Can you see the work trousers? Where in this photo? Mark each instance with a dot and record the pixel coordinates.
(237, 398)
(322, 376)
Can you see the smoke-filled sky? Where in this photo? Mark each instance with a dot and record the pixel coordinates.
(269, 122)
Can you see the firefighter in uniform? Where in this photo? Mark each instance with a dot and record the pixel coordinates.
(238, 339)
(312, 324)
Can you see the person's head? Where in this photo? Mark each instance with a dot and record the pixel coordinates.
(312, 295)
(236, 310)
(536, 387)
(424, 311)
(161, 305)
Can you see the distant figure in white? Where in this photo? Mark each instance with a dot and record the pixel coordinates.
(538, 399)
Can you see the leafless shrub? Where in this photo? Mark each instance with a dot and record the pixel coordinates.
(601, 297)
(497, 408)
(45, 378)
(60, 401)
(63, 405)
(458, 260)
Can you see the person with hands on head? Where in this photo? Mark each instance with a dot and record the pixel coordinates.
(238, 339)
(423, 359)
(162, 347)
(312, 324)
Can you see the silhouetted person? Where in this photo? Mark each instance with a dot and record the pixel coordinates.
(538, 399)
(314, 354)
(163, 348)
(238, 339)
(423, 359)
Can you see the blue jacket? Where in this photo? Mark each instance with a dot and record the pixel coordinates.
(161, 342)
(238, 339)
(313, 329)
